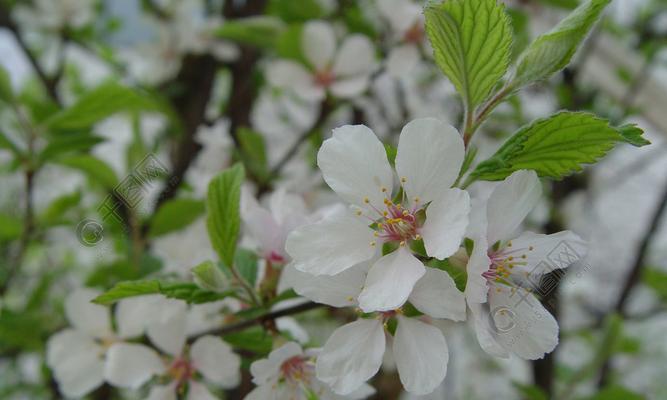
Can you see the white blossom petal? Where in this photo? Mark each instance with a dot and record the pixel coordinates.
(347, 88)
(354, 164)
(85, 316)
(332, 245)
(446, 223)
(510, 202)
(352, 355)
(216, 361)
(198, 391)
(401, 14)
(429, 157)
(484, 330)
(318, 44)
(162, 392)
(523, 325)
(77, 362)
(293, 328)
(133, 314)
(402, 60)
(168, 334)
(131, 365)
(390, 281)
(289, 75)
(436, 295)
(546, 253)
(261, 225)
(476, 286)
(421, 355)
(265, 370)
(340, 290)
(356, 56)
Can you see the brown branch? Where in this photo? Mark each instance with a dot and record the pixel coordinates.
(50, 83)
(261, 320)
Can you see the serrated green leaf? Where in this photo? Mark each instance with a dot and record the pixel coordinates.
(175, 214)
(261, 31)
(633, 135)
(554, 147)
(552, 51)
(246, 263)
(471, 41)
(254, 152)
(209, 277)
(223, 219)
(186, 291)
(97, 170)
(98, 104)
(72, 143)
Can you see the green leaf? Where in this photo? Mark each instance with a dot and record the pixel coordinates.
(55, 212)
(616, 393)
(254, 150)
(633, 135)
(254, 339)
(656, 280)
(261, 31)
(186, 291)
(6, 90)
(105, 276)
(76, 142)
(96, 169)
(175, 214)
(209, 277)
(552, 51)
(223, 219)
(11, 227)
(290, 10)
(245, 263)
(471, 42)
(7, 143)
(530, 392)
(98, 104)
(554, 147)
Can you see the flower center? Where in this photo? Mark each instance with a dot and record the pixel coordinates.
(324, 78)
(181, 370)
(297, 368)
(415, 34)
(503, 261)
(395, 222)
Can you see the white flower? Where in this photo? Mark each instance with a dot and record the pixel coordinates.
(354, 164)
(268, 227)
(342, 70)
(77, 354)
(504, 268)
(289, 373)
(131, 365)
(354, 353)
(56, 14)
(406, 21)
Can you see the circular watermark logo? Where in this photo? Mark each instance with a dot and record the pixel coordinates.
(89, 232)
(502, 319)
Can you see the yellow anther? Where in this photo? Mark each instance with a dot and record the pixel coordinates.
(402, 243)
(405, 213)
(418, 236)
(385, 213)
(359, 212)
(366, 200)
(511, 266)
(376, 234)
(380, 225)
(373, 243)
(499, 290)
(350, 298)
(416, 199)
(510, 258)
(523, 256)
(404, 179)
(531, 248)
(384, 189)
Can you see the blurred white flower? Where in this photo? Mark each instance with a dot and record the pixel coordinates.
(504, 268)
(289, 373)
(77, 354)
(131, 365)
(55, 15)
(354, 164)
(343, 70)
(406, 21)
